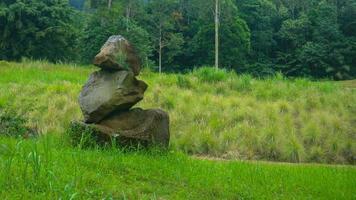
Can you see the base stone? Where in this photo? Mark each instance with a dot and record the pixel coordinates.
(146, 127)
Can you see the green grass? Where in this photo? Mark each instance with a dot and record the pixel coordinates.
(48, 168)
(213, 113)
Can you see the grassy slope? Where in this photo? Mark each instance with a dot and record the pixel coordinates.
(236, 117)
(49, 169)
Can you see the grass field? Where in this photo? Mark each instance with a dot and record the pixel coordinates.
(48, 168)
(213, 113)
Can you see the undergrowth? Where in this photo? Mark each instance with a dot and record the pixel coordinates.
(14, 125)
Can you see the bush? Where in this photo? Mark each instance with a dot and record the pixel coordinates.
(183, 82)
(11, 124)
(82, 136)
(242, 83)
(259, 69)
(210, 74)
(87, 136)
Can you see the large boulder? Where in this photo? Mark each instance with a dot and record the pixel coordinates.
(109, 91)
(150, 126)
(146, 127)
(118, 54)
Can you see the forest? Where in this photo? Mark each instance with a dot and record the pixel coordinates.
(305, 38)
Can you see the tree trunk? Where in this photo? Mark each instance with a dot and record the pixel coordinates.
(109, 4)
(128, 13)
(160, 55)
(216, 34)
(160, 51)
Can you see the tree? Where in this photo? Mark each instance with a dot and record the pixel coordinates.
(37, 29)
(95, 4)
(233, 37)
(161, 28)
(104, 23)
(313, 38)
(134, 10)
(263, 20)
(313, 45)
(216, 34)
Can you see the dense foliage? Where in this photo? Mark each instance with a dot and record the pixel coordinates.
(37, 29)
(314, 38)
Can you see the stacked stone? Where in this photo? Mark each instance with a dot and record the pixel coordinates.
(107, 98)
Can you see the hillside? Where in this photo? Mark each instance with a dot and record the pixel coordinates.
(213, 113)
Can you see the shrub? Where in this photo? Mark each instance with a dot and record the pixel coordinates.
(183, 82)
(82, 136)
(210, 74)
(168, 103)
(86, 136)
(242, 83)
(11, 124)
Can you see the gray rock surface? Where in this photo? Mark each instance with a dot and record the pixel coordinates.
(109, 91)
(147, 127)
(118, 54)
(151, 126)
(108, 96)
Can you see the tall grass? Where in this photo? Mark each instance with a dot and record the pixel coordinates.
(212, 112)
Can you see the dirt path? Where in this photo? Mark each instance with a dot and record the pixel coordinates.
(210, 158)
(349, 83)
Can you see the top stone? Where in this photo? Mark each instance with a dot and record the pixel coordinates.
(118, 54)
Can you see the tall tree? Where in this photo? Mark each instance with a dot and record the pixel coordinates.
(233, 35)
(216, 34)
(134, 10)
(104, 23)
(162, 24)
(37, 29)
